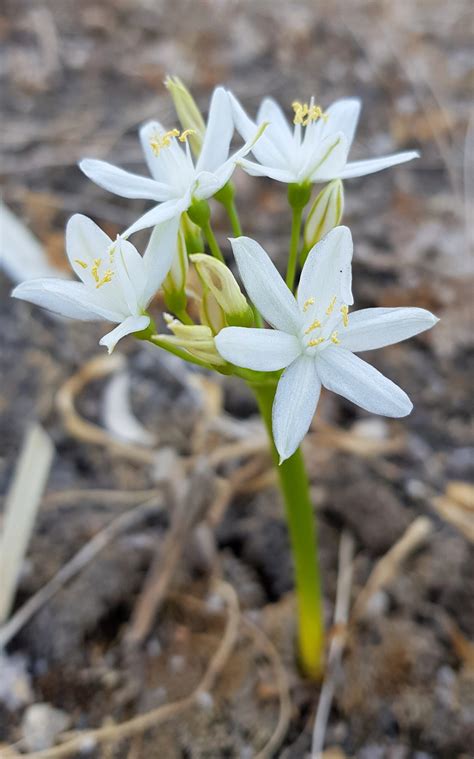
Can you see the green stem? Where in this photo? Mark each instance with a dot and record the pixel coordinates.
(303, 538)
(233, 215)
(178, 352)
(183, 317)
(211, 241)
(294, 244)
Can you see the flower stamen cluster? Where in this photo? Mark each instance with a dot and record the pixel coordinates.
(305, 114)
(158, 142)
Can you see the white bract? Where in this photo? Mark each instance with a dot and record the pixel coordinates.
(176, 181)
(315, 149)
(314, 336)
(117, 283)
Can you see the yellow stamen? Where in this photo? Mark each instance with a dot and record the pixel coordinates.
(106, 277)
(81, 263)
(309, 302)
(312, 327)
(345, 315)
(316, 341)
(334, 338)
(330, 308)
(158, 142)
(305, 114)
(187, 133)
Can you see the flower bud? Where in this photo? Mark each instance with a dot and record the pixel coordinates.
(174, 285)
(221, 283)
(192, 235)
(325, 214)
(197, 339)
(189, 114)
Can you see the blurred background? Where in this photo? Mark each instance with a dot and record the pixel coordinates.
(168, 466)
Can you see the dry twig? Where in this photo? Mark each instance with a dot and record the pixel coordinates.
(83, 557)
(137, 725)
(86, 431)
(338, 642)
(388, 566)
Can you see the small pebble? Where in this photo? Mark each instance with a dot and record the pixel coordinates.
(41, 724)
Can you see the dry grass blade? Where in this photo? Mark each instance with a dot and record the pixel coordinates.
(21, 505)
(137, 725)
(85, 555)
(389, 565)
(85, 431)
(284, 716)
(338, 640)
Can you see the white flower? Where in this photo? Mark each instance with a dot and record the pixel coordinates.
(314, 336)
(315, 150)
(177, 181)
(117, 283)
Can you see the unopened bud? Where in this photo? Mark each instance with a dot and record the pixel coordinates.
(192, 235)
(189, 114)
(220, 281)
(325, 214)
(174, 285)
(197, 339)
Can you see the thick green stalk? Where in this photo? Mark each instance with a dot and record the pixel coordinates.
(301, 521)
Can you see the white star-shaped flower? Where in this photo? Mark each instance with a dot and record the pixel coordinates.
(176, 179)
(314, 336)
(117, 283)
(315, 149)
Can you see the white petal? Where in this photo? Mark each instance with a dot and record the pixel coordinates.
(264, 350)
(265, 287)
(376, 327)
(208, 184)
(347, 375)
(342, 116)
(362, 168)
(127, 327)
(159, 255)
(219, 131)
(328, 160)
(131, 273)
(149, 131)
(156, 215)
(327, 270)
(295, 402)
(72, 299)
(85, 241)
(265, 150)
(261, 170)
(224, 172)
(123, 183)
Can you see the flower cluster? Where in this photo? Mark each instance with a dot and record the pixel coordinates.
(311, 338)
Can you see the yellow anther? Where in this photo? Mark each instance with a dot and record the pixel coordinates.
(316, 341)
(305, 114)
(345, 315)
(312, 327)
(82, 264)
(106, 277)
(330, 308)
(334, 338)
(160, 141)
(308, 302)
(187, 133)
(95, 269)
